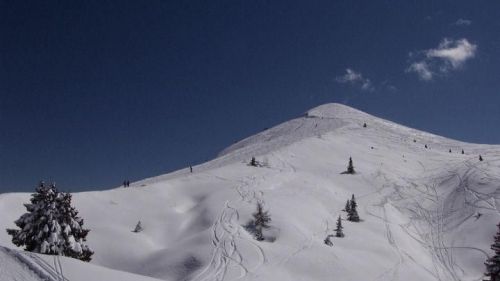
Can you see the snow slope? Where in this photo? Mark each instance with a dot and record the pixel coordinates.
(418, 208)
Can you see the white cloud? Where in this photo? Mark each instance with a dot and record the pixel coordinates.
(449, 55)
(453, 52)
(463, 22)
(422, 70)
(355, 78)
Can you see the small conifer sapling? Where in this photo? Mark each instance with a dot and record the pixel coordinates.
(253, 162)
(350, 167)
(261, 221)
(138, 227)
(338, 229)
(347, 207)
(352, 215)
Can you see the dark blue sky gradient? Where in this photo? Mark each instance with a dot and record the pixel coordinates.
(93, 92)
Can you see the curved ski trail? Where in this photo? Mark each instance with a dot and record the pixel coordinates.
(226, 232)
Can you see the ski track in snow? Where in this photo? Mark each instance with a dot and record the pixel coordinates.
(40, 267)
(435, 216)
(226, 233)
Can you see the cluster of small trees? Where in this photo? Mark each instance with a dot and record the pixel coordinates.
(352, 215)
(449, 150)
(51, 225)
(351, 208)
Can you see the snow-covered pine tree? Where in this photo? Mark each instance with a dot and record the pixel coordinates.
(261, 220)
(493, 263)
(73, 233)
(138, 227)
(480, 158)
(51, 225)
(338, 230)
(352, 215)
(350, 167)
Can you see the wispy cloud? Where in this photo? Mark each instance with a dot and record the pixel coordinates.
(463, 22)
(356, 79)
(422, 70)
(448, 56)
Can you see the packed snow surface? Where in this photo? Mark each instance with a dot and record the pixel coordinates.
(426, 213)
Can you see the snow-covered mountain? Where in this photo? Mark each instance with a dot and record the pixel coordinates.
(427, 214)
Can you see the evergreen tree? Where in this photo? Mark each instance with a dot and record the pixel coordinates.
(261, 221)
(253, 162)
(463, 151)
(347, 206)
(350, 167)
(364, 125)
(138, 227)
(493, 263)
(338, 230)
(51, 225)
(449, 151)
(480, 158)
(352, 215)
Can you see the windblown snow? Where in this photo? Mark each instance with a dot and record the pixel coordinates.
(426, 213)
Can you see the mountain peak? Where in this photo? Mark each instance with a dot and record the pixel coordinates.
(335, 110)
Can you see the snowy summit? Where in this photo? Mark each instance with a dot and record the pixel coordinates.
(411, 206)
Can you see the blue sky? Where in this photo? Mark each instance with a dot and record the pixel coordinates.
(95, 92)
